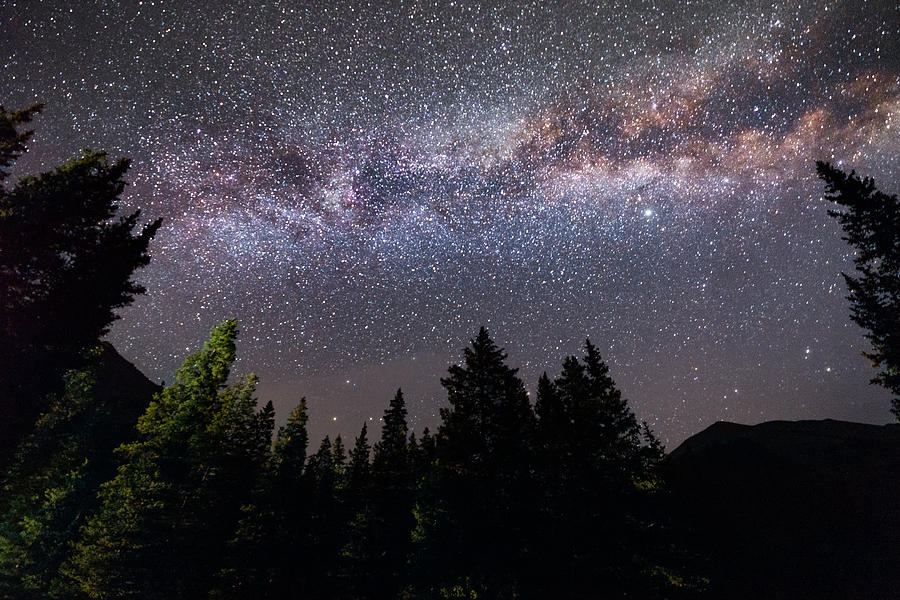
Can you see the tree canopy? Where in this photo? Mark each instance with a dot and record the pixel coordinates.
(66, 263)
(200, 501)
(871, 222)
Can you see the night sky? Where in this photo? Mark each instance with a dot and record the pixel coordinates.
(363, 185)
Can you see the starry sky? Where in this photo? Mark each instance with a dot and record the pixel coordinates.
(364, 184)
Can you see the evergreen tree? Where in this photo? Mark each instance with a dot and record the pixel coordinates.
(53, 480)
(291, 445)
(871, 222)
(358, 563)
(427, 452)
(415, 459)
(266, 559)
(389, 462)
(549, 410)
(599, 512)
(339, 456)
(66, 262)
(474, 538)
(359, 468)
(321, 472)
(391, 519)
(293, 507)
(164, 518)
(327, 535)
(13, 139)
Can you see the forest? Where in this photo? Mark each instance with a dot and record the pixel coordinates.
(115, 487)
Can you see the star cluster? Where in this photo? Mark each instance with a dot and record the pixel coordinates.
(364, 184)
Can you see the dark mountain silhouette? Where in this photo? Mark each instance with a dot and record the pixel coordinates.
(805, 509)
(92, 429)
(120, 382)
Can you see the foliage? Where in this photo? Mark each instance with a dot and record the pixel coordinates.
(51, 485)
(164, 517)
(66, 264)
(505, 501)
(182, 492)
(390, 517)
(599, 515)
(871, 223)
(259, 560)
(477, 518)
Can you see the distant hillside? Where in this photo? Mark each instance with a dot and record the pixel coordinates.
(805, 509)
(120, 381)
(88, 431)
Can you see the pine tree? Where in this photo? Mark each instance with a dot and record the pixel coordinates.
(389, 462)
(164, 518)
(52, 483)
(474, 538)
(12, 140)
(356, 556)
(266, 559)
(291, 445)
(391, 518)
(599, 482)
(549, 410)
(290, 503)
(339, 457)
(66, 262)
(327, 533)
(359, 469)
(871, 222)
(321, 472)
(427, 452)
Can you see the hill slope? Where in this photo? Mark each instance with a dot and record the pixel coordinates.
(805, 509)
(91, 430)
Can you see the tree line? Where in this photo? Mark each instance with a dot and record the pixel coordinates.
(507, 499)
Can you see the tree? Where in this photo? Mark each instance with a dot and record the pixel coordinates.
(472, 511)
(284, 507)
(326, 536)
(389, 462)
(66, 262)
(871, 222)
(291, 445)
(356, 555)
(52, 482)
(359, 469)
(164, 519)
(267, 556)
(421, 455)
(12, 140)
(597, 467)
(391, 515)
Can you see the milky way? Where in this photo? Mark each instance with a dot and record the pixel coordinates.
(362, 186)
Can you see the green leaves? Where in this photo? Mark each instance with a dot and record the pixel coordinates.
(182, 484)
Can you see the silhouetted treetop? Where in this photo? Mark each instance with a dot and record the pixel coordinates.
(871, 223)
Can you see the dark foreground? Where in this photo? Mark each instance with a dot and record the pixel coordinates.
(805, 509)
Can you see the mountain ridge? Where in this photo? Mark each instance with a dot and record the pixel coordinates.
(788, 509)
